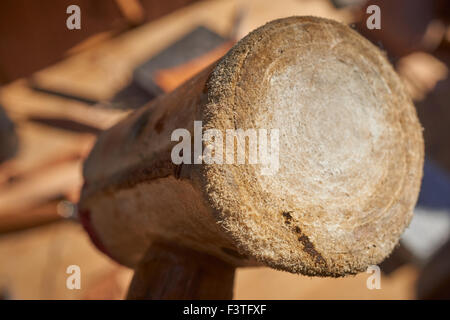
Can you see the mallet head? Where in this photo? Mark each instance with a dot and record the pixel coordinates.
(349, 162)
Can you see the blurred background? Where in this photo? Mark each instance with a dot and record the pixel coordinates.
(60, 88)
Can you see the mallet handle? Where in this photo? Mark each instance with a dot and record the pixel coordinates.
(169, 271)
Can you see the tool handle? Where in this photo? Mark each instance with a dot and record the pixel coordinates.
(169, 271)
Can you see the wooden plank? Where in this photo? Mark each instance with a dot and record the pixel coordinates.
(34, 263)
(35, 216)
(51, 249)
(42, 147)
(21, 103)
(64, 179)
(99, 72)
(265, 283)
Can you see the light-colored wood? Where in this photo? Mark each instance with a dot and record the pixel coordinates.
(59, 180)
(34, 267)
(102, 279)
(22, 103)
(34, 263)
(47, 164)
(40, 148)
(341, 111)
(264, 283)
(99, 72)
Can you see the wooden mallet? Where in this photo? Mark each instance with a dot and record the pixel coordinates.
(350, 165)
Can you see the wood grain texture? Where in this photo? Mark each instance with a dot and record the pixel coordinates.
(169, 271)
(351, 157)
